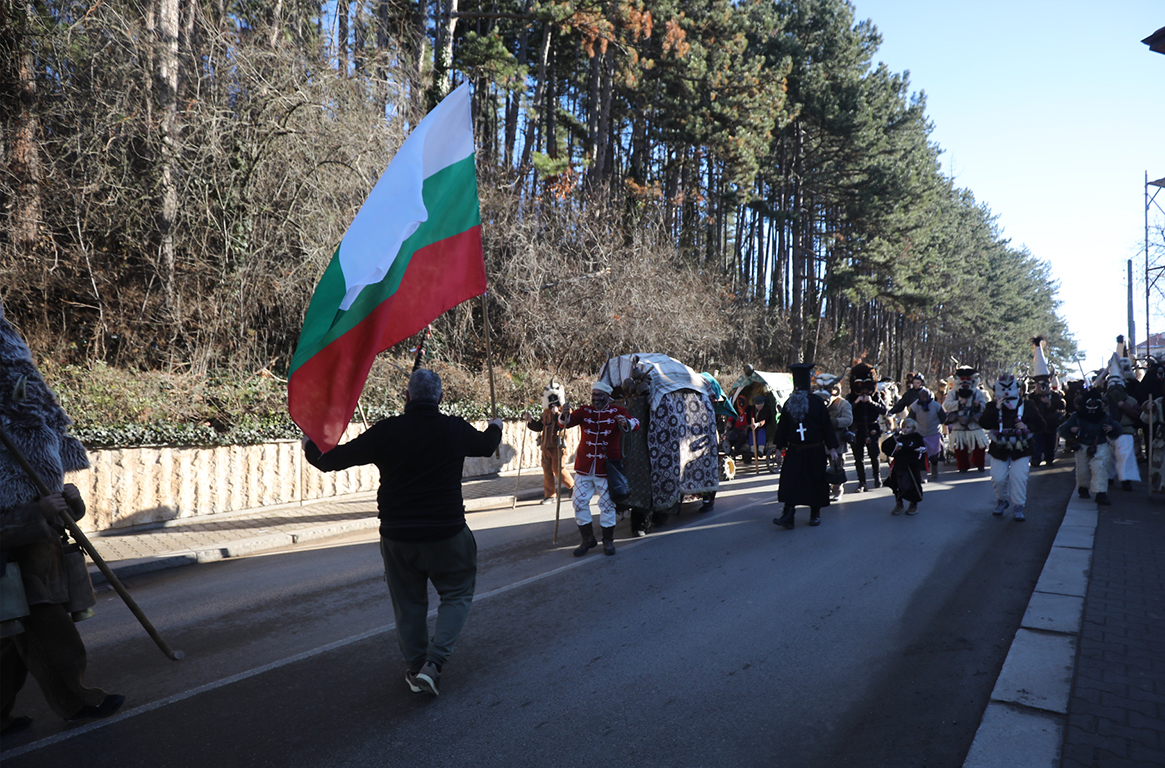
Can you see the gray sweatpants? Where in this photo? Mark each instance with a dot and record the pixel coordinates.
(451, 565)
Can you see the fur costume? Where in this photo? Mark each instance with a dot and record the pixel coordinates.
(1011, 425)
(964, 405)
(49, 646)
(1084, 432)
(551, 441)
(35, 422)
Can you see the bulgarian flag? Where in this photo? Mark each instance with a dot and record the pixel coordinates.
(412, 252)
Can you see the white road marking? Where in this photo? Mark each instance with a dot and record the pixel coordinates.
(239, 677)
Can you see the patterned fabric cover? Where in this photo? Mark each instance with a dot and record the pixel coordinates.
(681, 440)
(674, 454)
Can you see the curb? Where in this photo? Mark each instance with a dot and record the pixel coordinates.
(238, 548)
(1025, 719)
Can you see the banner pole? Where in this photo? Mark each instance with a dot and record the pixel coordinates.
(489, 358)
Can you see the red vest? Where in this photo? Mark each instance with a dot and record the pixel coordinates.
(600, 439)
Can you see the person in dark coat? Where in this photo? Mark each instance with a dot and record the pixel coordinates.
(907, 452)
(805, 432)
(866, 427)
(1048, 403)
(423, 534)
(915, 383)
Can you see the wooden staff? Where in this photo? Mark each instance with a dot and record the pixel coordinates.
(521, 453)
(489, 359)
(558, 497)
(755, 452)
(83, 540)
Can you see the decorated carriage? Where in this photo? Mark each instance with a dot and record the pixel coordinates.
(675, 453)
(775, 389)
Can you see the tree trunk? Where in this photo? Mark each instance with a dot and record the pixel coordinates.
(358, 39)
(342, 37)
(383, 15)
(551, 105)
(443, 51)
(167, 89)
(514, 98)
(532, 125)
(797, 299)
(420, 39)
(24, 163)
(274, 20)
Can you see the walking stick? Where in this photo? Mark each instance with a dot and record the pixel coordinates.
(559, 449)
(521, 453)
(83, 540)
(755, 452)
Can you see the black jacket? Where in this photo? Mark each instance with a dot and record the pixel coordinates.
(420, 455)
(865, 426)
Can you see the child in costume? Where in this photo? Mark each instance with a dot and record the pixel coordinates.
(907, 452)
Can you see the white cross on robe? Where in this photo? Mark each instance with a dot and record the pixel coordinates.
(801, 430)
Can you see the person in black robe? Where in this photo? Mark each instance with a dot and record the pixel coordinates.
(806, 434)
(907, 451)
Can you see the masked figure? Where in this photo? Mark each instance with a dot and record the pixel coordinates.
(841, 416)
(551, 440)
(964, 405)
(867, 411)
(929, 415)
(907, 452)
(1123, 408)
(602, 424)
(805, 433)
(1050, 405)
(52, 573)
(1011, 424)
(1087, 432)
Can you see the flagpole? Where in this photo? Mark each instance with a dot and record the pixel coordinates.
(489, 359)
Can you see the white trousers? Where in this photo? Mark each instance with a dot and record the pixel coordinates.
(1092, 472)
(1123, 462)
(586, 486)
(1009, 478)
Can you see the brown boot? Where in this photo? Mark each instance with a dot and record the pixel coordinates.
(587, 532)
(608, 540)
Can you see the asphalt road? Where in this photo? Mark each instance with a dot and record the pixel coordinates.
(719, 640)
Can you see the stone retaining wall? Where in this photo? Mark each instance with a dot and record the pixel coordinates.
(127, 487)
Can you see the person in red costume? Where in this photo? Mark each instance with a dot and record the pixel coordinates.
(602, 425)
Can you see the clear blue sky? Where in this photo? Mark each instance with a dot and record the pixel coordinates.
(1051, 113)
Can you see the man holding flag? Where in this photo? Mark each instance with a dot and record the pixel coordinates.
(412, 252)
(423, 534)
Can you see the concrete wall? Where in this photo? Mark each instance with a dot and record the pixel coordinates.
(127, 487)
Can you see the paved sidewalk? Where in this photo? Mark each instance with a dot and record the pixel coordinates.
(1083, 685)
(1116, 715)
(214, 537)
